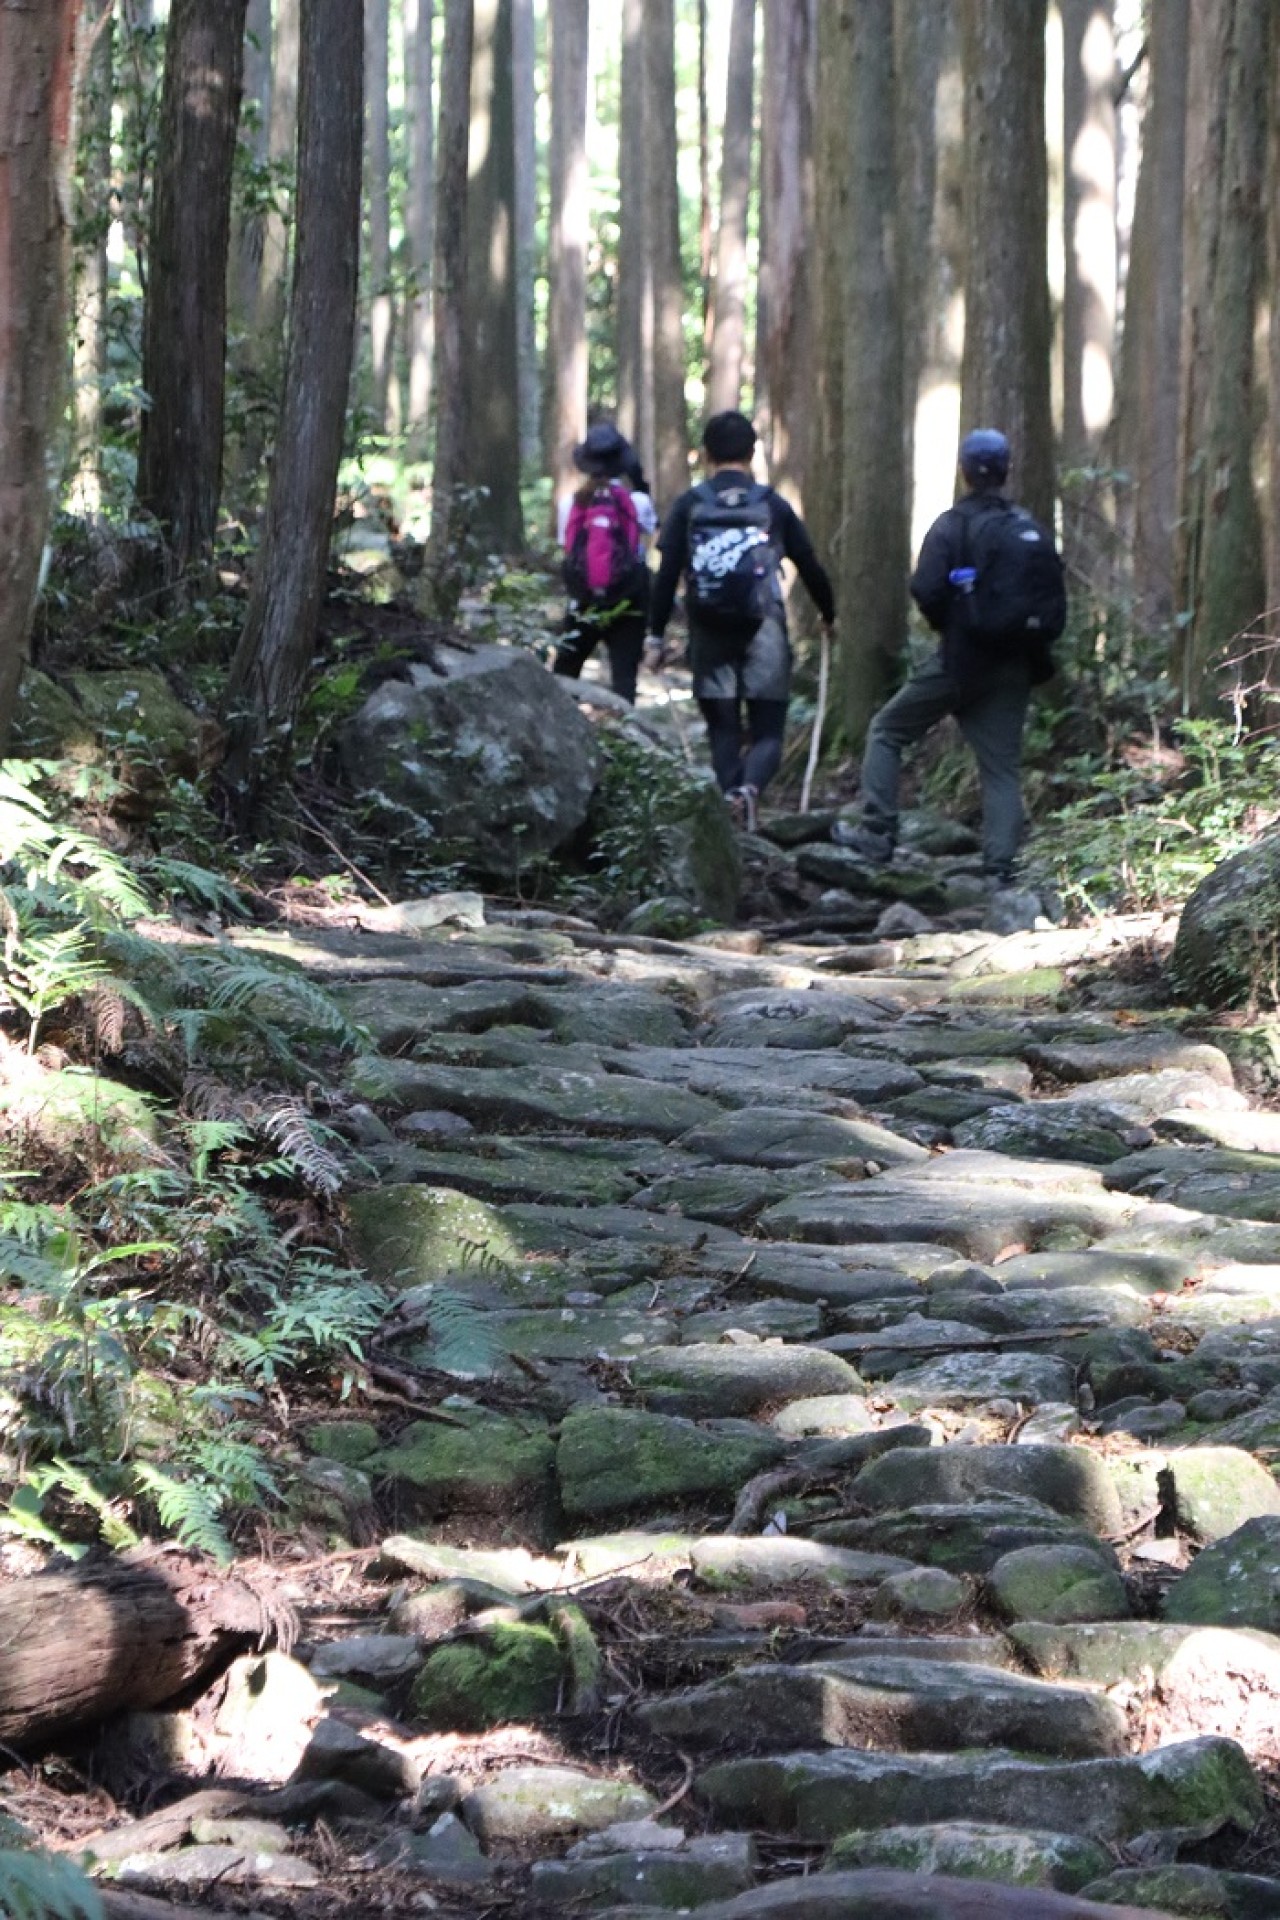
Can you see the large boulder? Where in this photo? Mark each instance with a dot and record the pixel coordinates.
(491, 749)
(1223, 954)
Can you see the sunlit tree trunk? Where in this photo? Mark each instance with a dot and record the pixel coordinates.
(635, 266)
(1005, 381)
(920, 39)
(524, 41)
(449, 285)
(420, 224)
(268, 673)
(729, 308)
(704, 171)
(1090, 255)
(92, 224)
(784, 325)
(670, 426)
(1231, 584)
(569, 235)
(490, 454)
(1152, 341)
(872, 561)
(37, 46)
(184, 339)
(381, 299)
(1271, 660)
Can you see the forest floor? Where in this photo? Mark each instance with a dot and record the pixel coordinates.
(815, 1374)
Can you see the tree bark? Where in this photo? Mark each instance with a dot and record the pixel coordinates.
(524, 42)
(1007, 341)
(729, 307)
(77, 1647)
(1152, 341)
(449, 302)
(1231, 583)
(36, 73)
(872, 561)
(381, 299)
(824, 504)
(704, 171)
(490, 455)
(670, 423)
(635, 264)
(269, 670)
(570, 232)
(282, 143)
(92, 224)
(784, 326)
(420, 223)
(1272, 659)
(184, 332)
(937, 410)
(246, 231)
(920, 45)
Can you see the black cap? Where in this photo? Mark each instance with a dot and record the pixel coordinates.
(603, 453)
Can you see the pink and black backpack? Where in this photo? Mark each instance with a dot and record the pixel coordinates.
(600, 541)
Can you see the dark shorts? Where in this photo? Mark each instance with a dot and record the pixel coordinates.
(728, 668)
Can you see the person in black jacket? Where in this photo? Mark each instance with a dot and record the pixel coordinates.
(747, 663)
(987, 694)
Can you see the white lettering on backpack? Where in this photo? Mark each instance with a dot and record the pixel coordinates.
(720, 553)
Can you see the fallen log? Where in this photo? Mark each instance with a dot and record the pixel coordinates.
(129, 1632)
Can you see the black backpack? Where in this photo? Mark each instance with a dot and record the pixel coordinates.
(731, 572)
(1010, 581)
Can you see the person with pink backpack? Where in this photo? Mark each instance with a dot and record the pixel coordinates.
(604, 529)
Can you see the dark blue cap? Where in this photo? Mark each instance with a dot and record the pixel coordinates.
(984, 455)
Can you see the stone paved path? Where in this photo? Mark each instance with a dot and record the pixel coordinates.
(881, 1367)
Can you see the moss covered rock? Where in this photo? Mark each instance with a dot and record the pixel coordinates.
(614, 1460)
(1233, 1583)
(1058, 1584)
(489, 1464)
(971, 1851)
(1225, 950)
(414, 1236)
(514, 1673)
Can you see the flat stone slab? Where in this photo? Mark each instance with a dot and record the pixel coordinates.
(916, 1705)
(534, 1803)
(728, 1560)
(712, 1867)
(964, 1379)
(735, 1075)
(616, 1460)
(1233, 1583)
(783, 1137)
(881, 1894)
(1155, 1052)
(1149, 1096)
(1097, 1267)
(1024, 1857)
(1102, 1653)
(538, 1097)
(1204, 1783)
(966, 1536)
(1073, 1482)
(731, 1196)
(981, 1221)
(711, 1381)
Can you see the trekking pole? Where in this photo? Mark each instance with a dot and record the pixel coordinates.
(819, 718)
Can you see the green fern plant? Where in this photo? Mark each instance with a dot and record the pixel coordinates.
(463, 1337)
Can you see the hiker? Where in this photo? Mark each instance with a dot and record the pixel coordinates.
(604, 529)
(729, 537)
(989, 581)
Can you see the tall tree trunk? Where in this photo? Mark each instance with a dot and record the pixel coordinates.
(1091, 266)
(268, 673)
(1231, 585)
(1007, 331)
(184, 334)
(872, 563)
(524, 42)
(1272, 660)
(381, 299)
(1089, 220)
(449, 288)
(255, 116)
(729, 310)
(937, 420)
(37, 47)
(635, 264)
(784, 325)
(920, 42)
(704, 173)
(670, 424)
(282, 143)
(491, 451)
(420, 222)
(1152, 341)
(570, 228)
(1208, 70)
(824, 503)
(92, 224)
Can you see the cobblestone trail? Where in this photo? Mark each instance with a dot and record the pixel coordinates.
(862, 1502)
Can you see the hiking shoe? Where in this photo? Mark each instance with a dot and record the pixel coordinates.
(871, 847)
(741, 802)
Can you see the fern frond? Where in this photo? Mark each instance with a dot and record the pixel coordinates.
(189, 1509)
(289, 1126)
(35, 1887)
(463, 1337)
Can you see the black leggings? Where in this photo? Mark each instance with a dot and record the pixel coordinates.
(737, 763)
(623, 635)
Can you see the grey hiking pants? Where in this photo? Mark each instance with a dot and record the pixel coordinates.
(990, 713)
